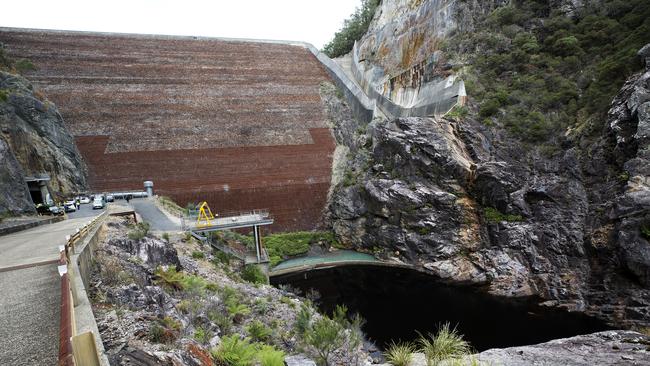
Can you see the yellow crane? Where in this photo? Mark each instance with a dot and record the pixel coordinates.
(205, 215)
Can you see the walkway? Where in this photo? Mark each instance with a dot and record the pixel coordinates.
(31, 297)
(336, 258)
(150, 213)
(237, 221)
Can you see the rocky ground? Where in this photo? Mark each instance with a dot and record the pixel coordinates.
(150, 314)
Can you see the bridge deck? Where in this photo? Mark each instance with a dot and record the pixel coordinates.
(233, 222)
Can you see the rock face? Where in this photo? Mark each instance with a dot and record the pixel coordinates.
(474, 206)
(38, 142)
(604, 348)
(14, 196)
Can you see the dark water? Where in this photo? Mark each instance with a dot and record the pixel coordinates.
(397, 303)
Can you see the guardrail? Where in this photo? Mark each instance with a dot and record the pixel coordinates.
(74, 349)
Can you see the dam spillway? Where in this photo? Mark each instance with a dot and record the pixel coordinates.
(237, 123)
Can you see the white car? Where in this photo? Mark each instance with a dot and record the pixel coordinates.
(98, 202)
(69, 206)
(84, 200)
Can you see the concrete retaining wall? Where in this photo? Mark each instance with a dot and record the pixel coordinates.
(362, 107)
(433, 99)
(81, 263)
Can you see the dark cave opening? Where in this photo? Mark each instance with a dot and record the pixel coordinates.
(398, 303)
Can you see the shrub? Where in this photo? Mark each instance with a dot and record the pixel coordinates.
(645, 231)
(160, 333)
(258, 331)
(269, 356)
(353, 29)
(493, 215)
(254, 274)
(221, 257)
(457, 112)
(303, 320)
(400, 354)
(202, 335)
(285, 245)
(238, 311)
(446, 344)
(233, 351)
(165, 237)
(24, 65)
(178, 281)
(198, 254)
(224, 322)
(140, 231)
(4, 95)
(324, 336)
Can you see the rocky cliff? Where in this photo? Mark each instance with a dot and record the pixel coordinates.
(469, 201)
(33, 141)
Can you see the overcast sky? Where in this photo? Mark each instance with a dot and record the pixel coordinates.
(313, 21)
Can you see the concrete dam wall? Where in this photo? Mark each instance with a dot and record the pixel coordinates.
(237, 123)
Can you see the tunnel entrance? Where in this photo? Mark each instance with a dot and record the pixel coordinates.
(397, 303)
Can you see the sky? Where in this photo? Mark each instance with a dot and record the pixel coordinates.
(313, 21)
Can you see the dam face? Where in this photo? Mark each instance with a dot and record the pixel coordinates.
(238, 124)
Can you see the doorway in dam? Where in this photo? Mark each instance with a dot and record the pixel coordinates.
(398, 303)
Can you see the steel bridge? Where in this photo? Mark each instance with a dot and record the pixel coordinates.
(248, 219)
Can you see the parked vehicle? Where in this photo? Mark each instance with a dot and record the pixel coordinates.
(43, 209)
(70, 206)
(84, 199)
(98, 202)
(110, 198)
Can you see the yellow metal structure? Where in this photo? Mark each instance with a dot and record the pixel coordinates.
(205, 215)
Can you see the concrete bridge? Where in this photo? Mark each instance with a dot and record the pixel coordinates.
(339, 258)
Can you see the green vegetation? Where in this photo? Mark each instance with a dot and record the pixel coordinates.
(645, 231)
(178, 281)
(234, 351)
(4, 95)
(284, 245)
(253, 274)
(353, 29)
(457, 112)
(269, 356)
(172, 206)
(221, 258)
(493, 215)
(165, 330)
(258, 331)
(446, 344)
(197, 254)
(235, 236)
(538, 72)
(165, 237)
(400, 354)
(303, 320)
(24, 65)
(325, 336)
(237, 311)
(140, 231)
(202, 335)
